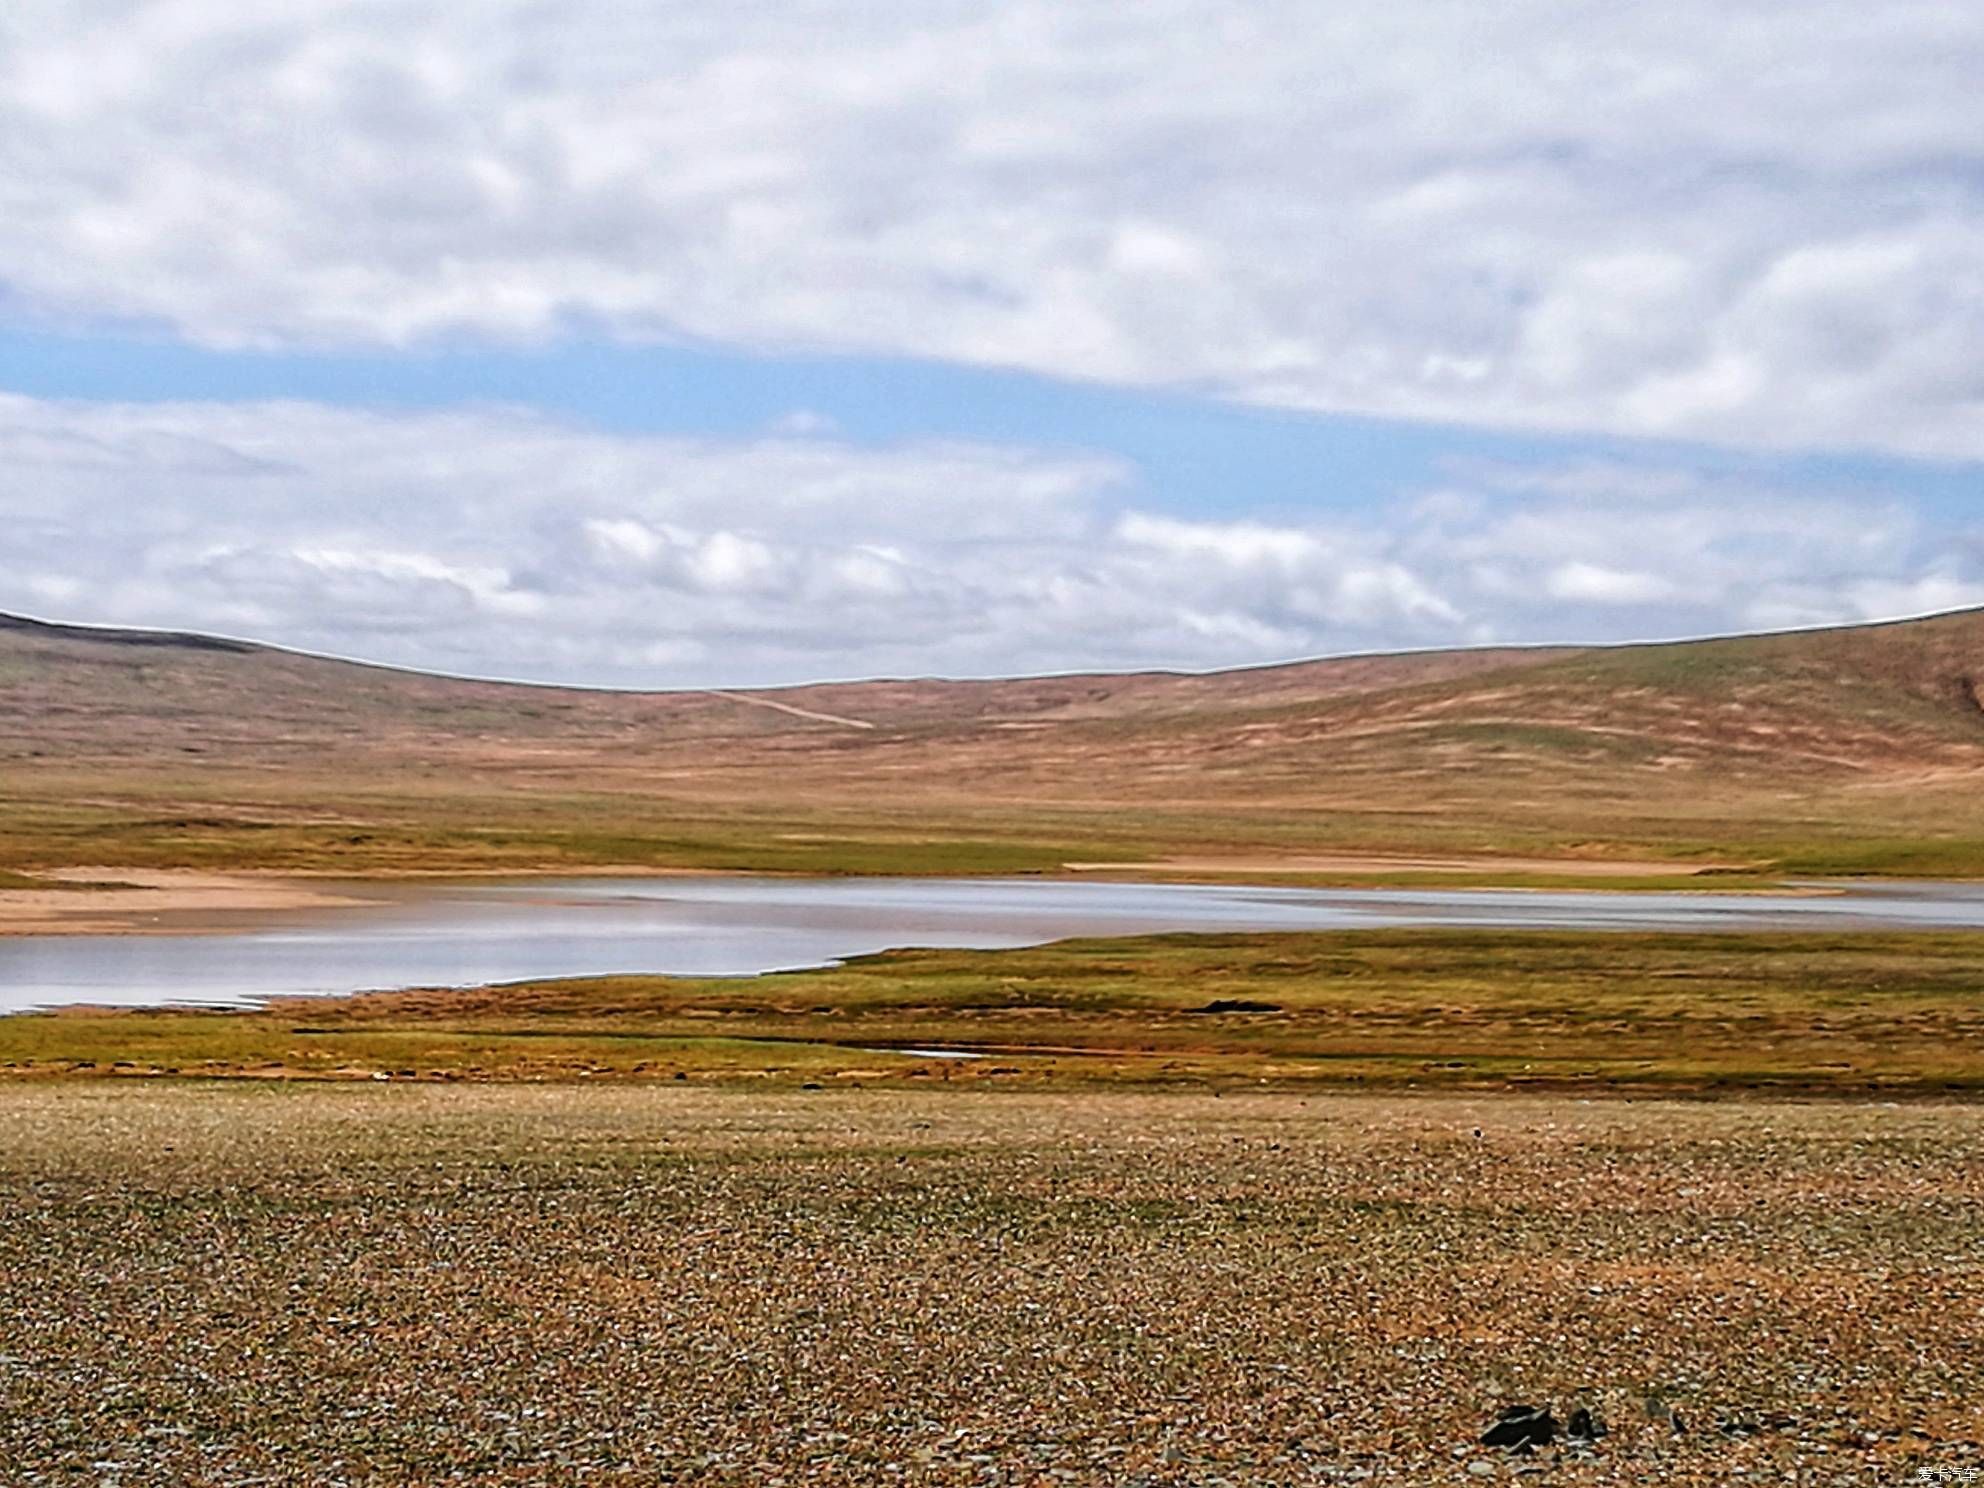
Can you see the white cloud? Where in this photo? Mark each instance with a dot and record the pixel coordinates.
(1757, 223)
(802, 422)
(1236, 545)
(1598, 584)
(494, 542)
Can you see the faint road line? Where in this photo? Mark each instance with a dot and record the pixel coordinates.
(760, 702)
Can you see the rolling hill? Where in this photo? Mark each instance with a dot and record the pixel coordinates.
(1849, 749)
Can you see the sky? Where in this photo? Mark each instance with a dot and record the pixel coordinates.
(712, 344)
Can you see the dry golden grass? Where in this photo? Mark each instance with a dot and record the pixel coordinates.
(1855, 750)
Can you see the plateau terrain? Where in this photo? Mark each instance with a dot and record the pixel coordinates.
(1854, 750)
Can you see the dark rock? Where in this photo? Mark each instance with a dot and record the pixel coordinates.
(1522, 1426)
(1237, 1005)
(1584, 1426)
(1748, 1426)
(1659, 1410)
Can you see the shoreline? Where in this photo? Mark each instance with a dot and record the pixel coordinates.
(1370, 864)
(109, 900)
(1644, 1013)
(158, 901)
(194, 901)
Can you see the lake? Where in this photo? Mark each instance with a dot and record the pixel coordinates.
(455, 934)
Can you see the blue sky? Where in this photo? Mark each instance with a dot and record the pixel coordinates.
(1195, 454)
(612, 347)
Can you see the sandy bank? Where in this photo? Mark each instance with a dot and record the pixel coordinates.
(133, 901)
(1363, 864)
(186, 901)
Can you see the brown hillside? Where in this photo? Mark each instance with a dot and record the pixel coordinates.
(141, 747)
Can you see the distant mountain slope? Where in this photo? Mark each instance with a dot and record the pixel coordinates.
(1867, 740)
(123, 692)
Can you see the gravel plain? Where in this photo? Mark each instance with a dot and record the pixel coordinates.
(236, 1284)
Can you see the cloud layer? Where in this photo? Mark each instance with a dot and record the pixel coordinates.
(494, 542)
(1758, 224)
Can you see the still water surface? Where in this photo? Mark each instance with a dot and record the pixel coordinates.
(432, 935)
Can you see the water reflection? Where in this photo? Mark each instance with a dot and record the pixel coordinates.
(462, 935)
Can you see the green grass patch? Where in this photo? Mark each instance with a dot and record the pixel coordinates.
(1841, 1014)
(1961, 857)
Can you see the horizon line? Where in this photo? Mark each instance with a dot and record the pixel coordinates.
(91, 630)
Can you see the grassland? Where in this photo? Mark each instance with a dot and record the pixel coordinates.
(378, 1285)
(1260, 1209)
(1852, 751)
(1206, 1209)
(1840, 1014)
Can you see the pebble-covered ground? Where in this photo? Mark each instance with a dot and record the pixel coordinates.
(387, 1284)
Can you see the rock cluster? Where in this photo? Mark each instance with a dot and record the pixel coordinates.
(404, 1284)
